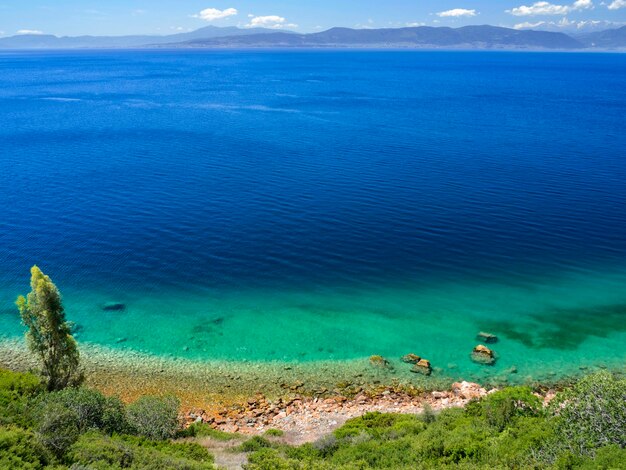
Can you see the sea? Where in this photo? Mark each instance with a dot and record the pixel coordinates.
(298, 206)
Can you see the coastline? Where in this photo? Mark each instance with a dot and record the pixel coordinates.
(213, 385)
(305, 400)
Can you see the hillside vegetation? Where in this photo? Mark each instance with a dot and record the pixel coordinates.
(79, 428)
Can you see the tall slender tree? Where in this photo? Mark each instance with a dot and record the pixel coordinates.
(49, 334)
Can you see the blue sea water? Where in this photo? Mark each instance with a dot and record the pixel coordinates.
(298, 206)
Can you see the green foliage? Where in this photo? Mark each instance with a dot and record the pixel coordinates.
(254, 443)
(326, 445)
(154, 417)
(271, 459)
(204, 430)
(274, 433)
(57, 428)
(455, 437)
(474, 439)
(609, 457)
(81, 429)
(380, 425)
(96, 451)
(92, 409)
(49, 334)
(502, 407)
(19, 383)
(428, 416)
(522, 443)
(20, 450)
(16, 389)
(592, 414)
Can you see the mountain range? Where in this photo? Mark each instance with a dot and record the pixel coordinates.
(467, 37)
(47, 41)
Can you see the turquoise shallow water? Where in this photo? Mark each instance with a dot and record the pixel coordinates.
(547, 329)
(300, 207)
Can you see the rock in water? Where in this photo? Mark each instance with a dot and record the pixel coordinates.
(379, 361)
(483, 355)
(422, 367)
(411, 358)
(113, 307)
(487, 337)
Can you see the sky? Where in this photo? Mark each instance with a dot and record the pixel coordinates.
(121, 17)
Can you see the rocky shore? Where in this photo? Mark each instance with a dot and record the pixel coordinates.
(304, 400)
(305, 419)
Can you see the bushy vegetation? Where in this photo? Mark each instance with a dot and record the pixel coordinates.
(592, 414)
(78, 428)
(155, 417)
(585, 428)
(94, 450)
(16, 390)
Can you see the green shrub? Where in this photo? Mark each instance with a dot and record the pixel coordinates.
(19, 383)
(154, 417)
(95, 450)
(591, 414)
(378, 424)
(428, 415)
(326, 445)
(98, 450)
(254, 443)
(188, 450)
(270, 459)
(274, 433)
(92, 409)
(16, 390)
(57, 428)
(20, 449)
(204, 430)
(502, 407)
(526, 443)
(608, 457)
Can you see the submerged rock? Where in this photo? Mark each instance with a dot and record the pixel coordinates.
(113, 307)
(483, 355)
(422, 367)
(488, 338)
(379, 361)
(411, 358)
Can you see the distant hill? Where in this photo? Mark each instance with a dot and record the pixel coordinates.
(41, 41)
(470, 37)
(608, 39)
(478, 37)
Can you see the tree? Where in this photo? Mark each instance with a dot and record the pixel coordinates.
(49, 334)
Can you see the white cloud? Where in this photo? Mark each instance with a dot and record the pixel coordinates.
(29, 31)
(456, 13)
(617, 4)
(270, 21)
(547, 8)
(212, 14)
(570, 26)
(415, 24)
